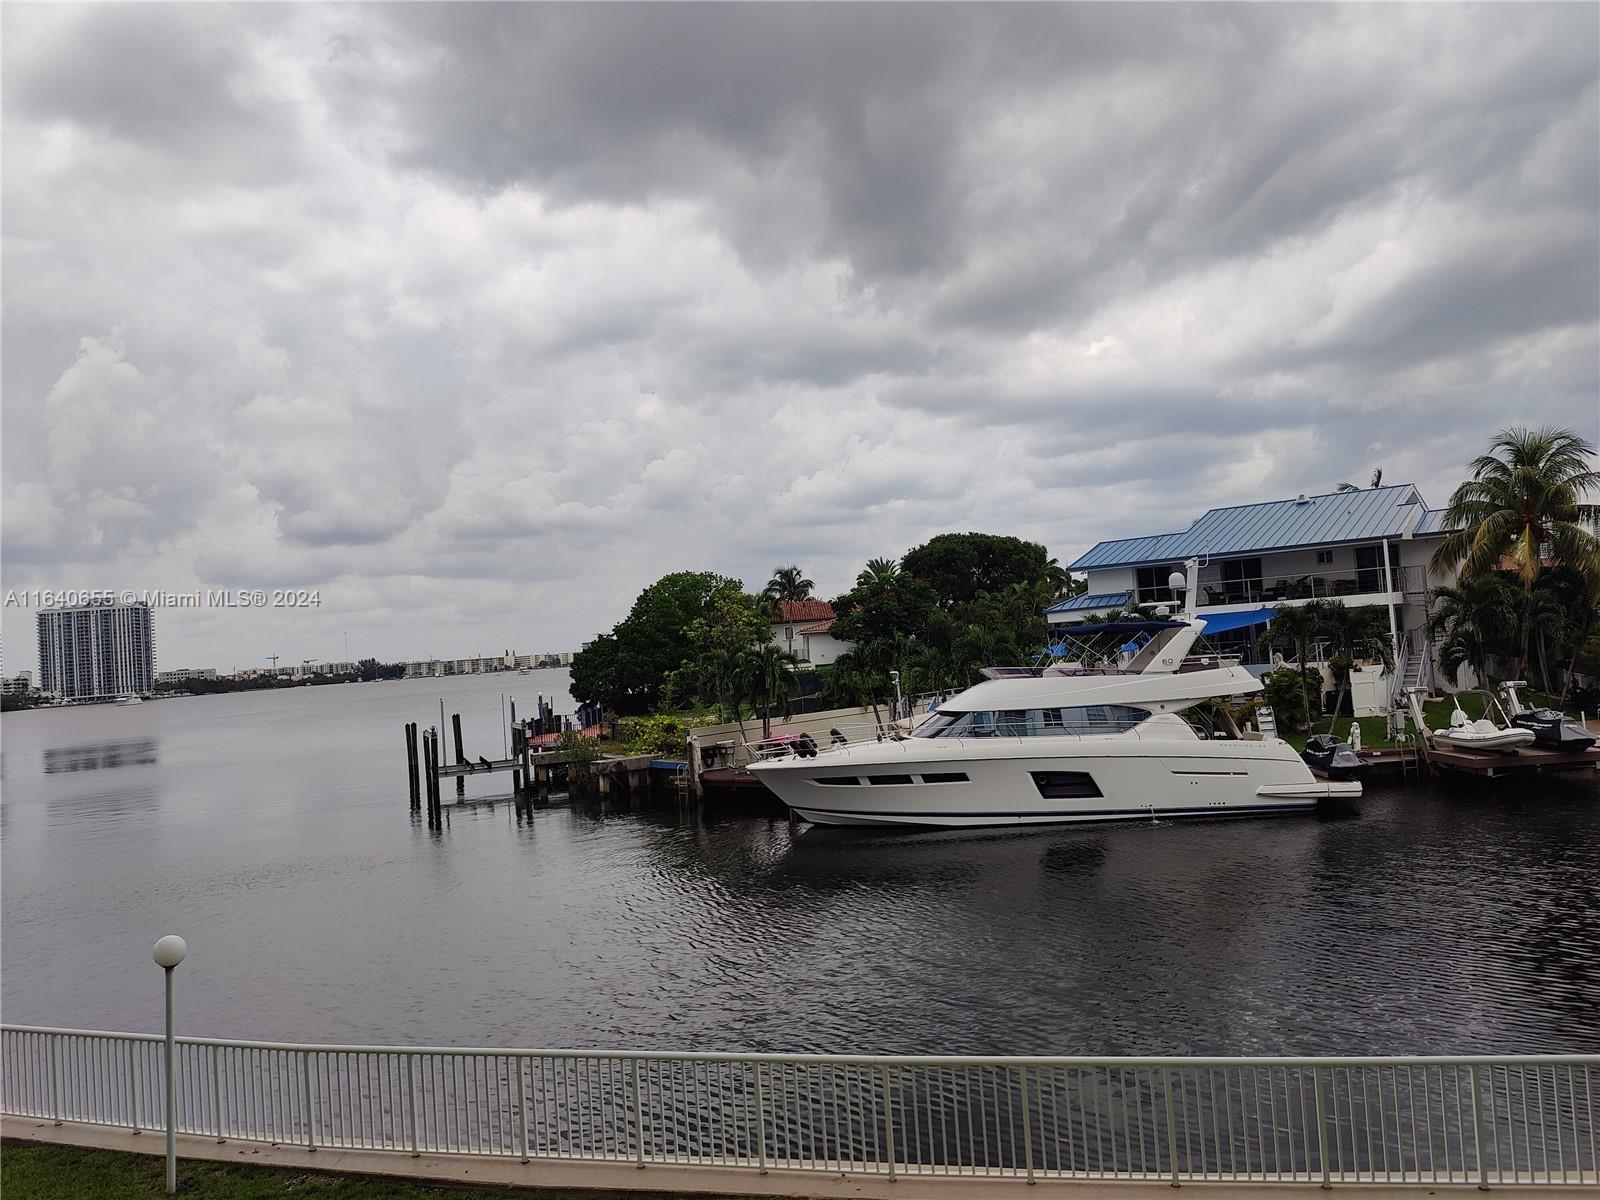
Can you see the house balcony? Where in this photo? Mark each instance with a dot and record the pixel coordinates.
(1217, 595)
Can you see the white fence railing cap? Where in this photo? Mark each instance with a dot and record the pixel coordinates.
(908, 1060)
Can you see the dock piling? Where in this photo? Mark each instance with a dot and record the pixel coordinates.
(411, 764)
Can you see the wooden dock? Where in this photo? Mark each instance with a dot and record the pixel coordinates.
(1529, 760)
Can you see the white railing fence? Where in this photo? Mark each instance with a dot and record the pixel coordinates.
(1371, 1120)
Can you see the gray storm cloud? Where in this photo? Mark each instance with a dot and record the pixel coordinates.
(532, 303)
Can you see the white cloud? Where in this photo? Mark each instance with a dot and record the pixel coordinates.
(479, 318)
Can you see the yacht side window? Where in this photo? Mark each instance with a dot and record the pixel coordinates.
(1033, 722)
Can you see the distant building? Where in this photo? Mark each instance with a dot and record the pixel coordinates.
(97, 652)
(184, 674)
(431, 668)
(804, 628)
(20, 684)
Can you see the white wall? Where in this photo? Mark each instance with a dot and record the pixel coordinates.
(822, 648)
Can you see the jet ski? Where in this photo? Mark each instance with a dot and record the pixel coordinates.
(1332, 759)
(1482, 735)
(1550, 728)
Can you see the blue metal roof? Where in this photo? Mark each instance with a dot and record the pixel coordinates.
(1274, 525)
(1432, 522)
(1098, 600)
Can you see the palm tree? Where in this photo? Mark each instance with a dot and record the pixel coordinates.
(878, 570)
(1062, 585)
(1361, 631)
(1299, 626)
(1470, 622)
(1525, 503)
(788, 583)
(1376, 481)
(771, 673)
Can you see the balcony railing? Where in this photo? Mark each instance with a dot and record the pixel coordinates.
(1482, 1120)
(1272, 588)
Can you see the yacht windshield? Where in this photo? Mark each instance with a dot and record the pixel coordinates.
(1032, 722)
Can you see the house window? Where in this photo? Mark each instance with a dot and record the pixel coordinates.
(1241, 579)
(788, 634)
(1324, 557)
(1152, 584)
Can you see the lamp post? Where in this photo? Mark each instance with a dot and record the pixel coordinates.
(168, 953)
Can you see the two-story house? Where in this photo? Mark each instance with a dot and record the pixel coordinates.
(1361, 547)
(803, 628)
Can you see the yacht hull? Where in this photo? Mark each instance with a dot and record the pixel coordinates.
(952, 784)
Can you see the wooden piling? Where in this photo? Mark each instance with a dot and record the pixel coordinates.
(431, 748)
(411, 764)
(455, 725)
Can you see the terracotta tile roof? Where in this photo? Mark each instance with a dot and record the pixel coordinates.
(819, 627)
(803, 610)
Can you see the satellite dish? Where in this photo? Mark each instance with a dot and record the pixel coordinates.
(1177, 581)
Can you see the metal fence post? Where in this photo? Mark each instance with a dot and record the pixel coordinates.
(1027, 1126)
(54, 1045)
(1172, 1127)
(1477, 1123)
(411, 1102)
(761, 1121)
(216, 1096)
(133, 1081)
(1322, 1125)
(305, 1097)
(522, 1108)
(888, 1118)
(638, 1118)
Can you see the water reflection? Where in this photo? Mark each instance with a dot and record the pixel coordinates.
(275, 832)
(100, 756)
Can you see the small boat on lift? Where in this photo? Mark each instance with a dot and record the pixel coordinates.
(1331, 758)
(1481, 736)
(1550, 728)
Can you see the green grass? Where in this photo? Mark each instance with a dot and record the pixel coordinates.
(1375, 730)
(30, 1171)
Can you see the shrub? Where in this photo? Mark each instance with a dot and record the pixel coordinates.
(1288, 701)
(662, 735)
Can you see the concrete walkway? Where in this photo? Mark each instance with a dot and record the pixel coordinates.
(623, 1178)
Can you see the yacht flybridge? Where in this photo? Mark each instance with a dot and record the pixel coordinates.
(1096, 737)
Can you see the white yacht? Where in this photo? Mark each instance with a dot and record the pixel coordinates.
(1069, 741)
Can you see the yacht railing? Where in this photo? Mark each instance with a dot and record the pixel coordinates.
(1483, 1120)
(852, 735)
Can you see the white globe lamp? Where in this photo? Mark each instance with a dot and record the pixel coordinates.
(168, 953)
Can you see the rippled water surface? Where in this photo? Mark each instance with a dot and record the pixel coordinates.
(272, 830)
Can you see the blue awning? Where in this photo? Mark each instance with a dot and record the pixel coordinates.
(1222, 622)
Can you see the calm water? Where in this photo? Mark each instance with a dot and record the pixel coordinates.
(272, 830)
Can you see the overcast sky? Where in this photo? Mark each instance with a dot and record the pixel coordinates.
(477, 319)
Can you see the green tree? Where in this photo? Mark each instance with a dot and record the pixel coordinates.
(787, 584)
(1298, 627)
(672, 623)
(1527, 501)
(878, 570)
(960, 566)
(772, 676)
(1473, 621)
(1352, 632)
